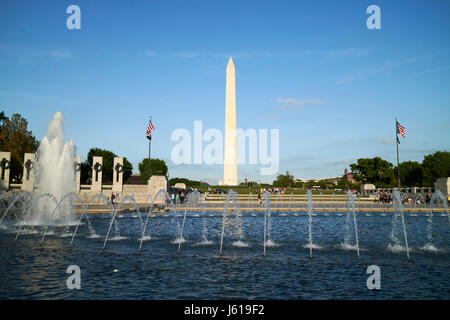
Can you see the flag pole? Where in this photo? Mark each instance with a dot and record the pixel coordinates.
(398, 161)
(149, 150)
(399, 192)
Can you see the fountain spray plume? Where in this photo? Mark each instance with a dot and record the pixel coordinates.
(267, 223)
(398, 209)
(230, 196)
(355, 224)
(193, 199)
(54, 171)
(310, 209)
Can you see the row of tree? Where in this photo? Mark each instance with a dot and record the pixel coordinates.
(189, 183)
(287, 181)
(383, 174)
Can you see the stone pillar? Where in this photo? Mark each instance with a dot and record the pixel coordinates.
(28, 172)
(5, 167)
(155, 184)
(443, 184)
(77, 174)
(97, 174)
(118, 175)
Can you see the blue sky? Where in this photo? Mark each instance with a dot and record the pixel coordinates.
(309, 68)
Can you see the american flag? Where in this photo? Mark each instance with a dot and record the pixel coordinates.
(400, 129)
(149, 130)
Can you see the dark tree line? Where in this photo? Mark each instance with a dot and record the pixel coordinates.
(412, 173)
(17, 139)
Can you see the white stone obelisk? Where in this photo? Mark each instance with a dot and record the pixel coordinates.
(230, 157)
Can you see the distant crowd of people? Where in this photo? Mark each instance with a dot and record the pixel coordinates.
(386, 197)
(176, 196)
(274, 190)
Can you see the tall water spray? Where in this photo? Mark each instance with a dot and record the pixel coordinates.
(54, 173)
(310, 220)
(351, 212)
(397, 213)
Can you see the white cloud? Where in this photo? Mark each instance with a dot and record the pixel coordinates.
(25, 54)
(339, 53)
(295, 104)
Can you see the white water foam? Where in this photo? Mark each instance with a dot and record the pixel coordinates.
(430, 248)
(204, 243)
(145, 238)
(117, 238)
(65, 235)
(271, 244)
(397, 248)
(178, 241)
(240, 244)
(348, 246)
(312, 246)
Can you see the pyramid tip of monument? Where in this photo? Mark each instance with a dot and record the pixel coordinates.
(230, 60)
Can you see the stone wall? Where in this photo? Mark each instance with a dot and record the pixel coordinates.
(443, 185)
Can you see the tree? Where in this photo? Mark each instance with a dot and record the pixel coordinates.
(435, 166)
(298, 184)
(15, 138)
(374, 170)
(108, 163)
(284, 180)
(187, 182)
(411, 174)
(344, 184)
(157, 166)
(2, 117)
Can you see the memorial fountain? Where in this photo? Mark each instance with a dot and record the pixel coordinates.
(216, 246)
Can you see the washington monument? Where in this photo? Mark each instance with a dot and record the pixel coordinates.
(230, 157)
